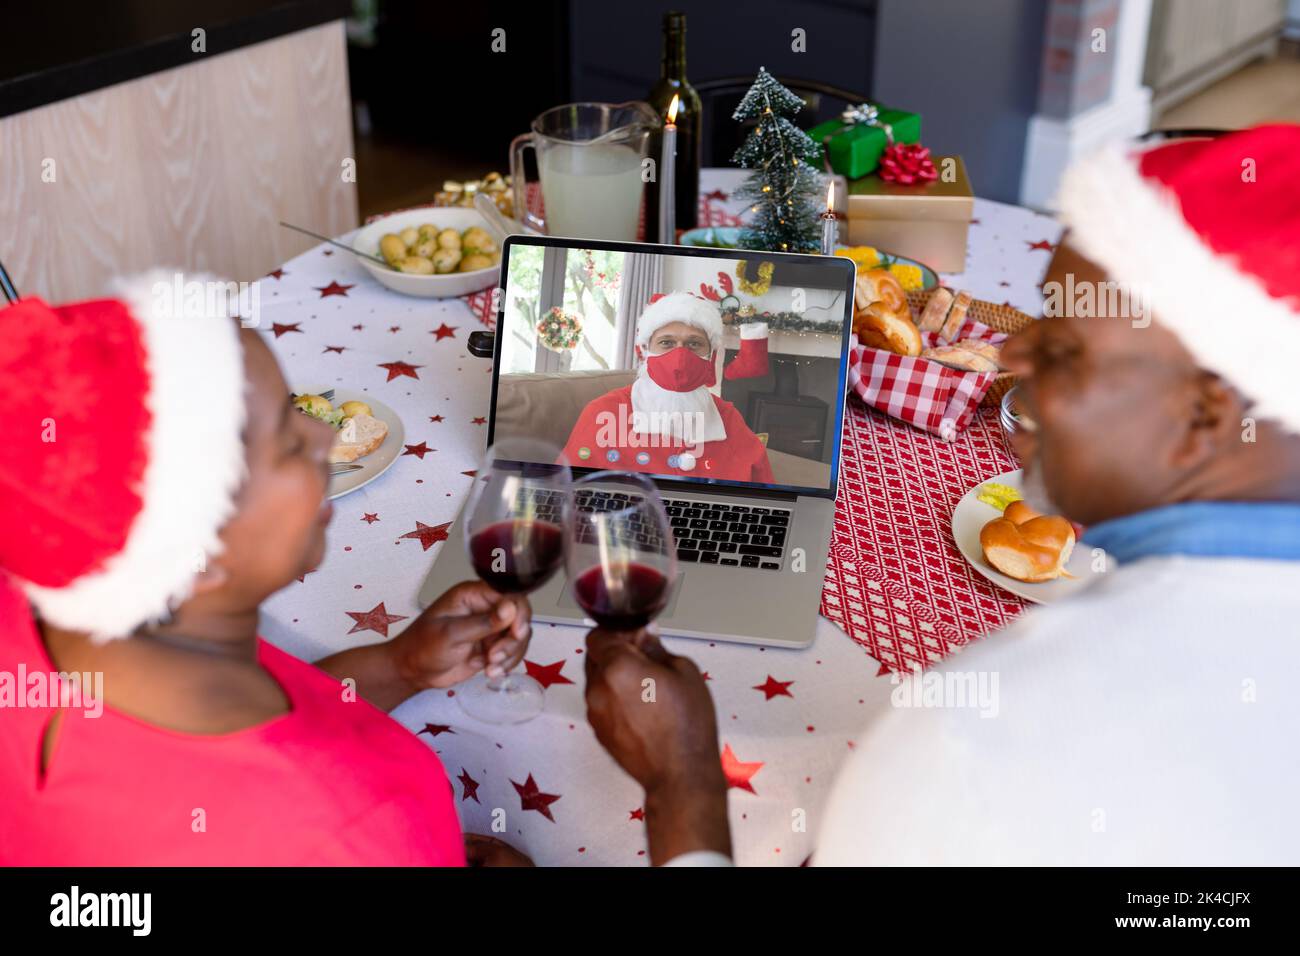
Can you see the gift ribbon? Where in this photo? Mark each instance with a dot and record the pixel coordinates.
(864, 114)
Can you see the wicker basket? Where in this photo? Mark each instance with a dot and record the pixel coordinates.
(1000, 318)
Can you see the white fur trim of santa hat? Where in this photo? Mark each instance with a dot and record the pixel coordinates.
(195, 466)
(1133, 228)
(680, 307)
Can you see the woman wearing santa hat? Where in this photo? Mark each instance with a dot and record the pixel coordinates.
(668, 422)
(155, 487)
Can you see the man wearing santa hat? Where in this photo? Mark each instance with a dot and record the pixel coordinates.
(1151, 718)
(667, 422)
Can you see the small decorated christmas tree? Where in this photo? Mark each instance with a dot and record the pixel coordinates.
(786, 191)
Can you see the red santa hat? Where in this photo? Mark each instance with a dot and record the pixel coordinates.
(1211, 228)
(680, 307)
(123, 451)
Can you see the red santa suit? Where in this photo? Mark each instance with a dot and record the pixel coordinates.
(668, 422)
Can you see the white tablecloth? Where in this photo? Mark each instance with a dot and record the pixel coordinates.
(786, 718)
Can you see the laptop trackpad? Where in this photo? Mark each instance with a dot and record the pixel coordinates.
(566, 598)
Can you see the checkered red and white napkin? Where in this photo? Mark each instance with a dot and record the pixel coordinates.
(933, 397)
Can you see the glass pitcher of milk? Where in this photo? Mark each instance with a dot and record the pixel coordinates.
(589, 157)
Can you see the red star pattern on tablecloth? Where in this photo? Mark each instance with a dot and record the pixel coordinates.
(370, 517)
(637, 814)
(435, 418)
(479, 421)
(1042, 244)
(738, 772)
(428, 535)
(332, 289)
(276, 274)
(433, 730)
(376, 619)
(419, 451)
(547, 674)
(532, 798)
(334, 348)
(283, 328)
(774, 688)
(445, 331)
(400, 368)
(470, 785)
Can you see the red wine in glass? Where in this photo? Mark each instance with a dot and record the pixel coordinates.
(514, 533)
(621, 555)
(518, 555)
(622, 598)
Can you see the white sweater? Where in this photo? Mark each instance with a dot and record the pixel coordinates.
(1154, 719)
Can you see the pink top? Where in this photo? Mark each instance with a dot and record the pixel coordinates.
(329, 783)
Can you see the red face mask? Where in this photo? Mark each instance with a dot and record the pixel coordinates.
(680, 370)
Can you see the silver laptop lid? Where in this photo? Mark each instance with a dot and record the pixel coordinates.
(702, 366)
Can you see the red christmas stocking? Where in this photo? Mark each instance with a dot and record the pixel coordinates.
(752, 360)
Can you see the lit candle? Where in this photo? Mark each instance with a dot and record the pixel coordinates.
(829, 226)
(668, 179)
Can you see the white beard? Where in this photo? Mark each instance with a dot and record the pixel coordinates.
(689, 417)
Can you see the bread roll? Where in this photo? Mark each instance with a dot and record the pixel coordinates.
(936, 310)
(956, 316)
(1027, 546)
(881, 328)
(882, 286)
(962, 359)
(360, 435)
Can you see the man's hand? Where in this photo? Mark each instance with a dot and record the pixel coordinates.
(469, 629)
(652, 711)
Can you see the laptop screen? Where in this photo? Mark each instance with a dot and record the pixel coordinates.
(712, 366)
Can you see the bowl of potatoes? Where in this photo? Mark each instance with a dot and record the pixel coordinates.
(435, 253)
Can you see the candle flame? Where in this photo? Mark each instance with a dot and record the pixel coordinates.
(830, 197)
(672, 109)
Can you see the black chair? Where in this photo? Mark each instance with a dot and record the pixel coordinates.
(721, 136)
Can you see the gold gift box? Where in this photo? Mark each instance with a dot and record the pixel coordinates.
(927, 222)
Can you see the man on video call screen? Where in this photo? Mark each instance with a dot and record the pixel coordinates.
(660, 364)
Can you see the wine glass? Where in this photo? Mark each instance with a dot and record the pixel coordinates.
(621, 556)
(514, 532)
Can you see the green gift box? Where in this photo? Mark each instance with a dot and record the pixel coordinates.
(854, 149)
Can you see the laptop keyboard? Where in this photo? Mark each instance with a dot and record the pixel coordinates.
(706, 532)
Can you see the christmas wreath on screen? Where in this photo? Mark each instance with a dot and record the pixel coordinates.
(559, 331)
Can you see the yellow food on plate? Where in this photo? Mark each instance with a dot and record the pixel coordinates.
(865, 256)
(313, 404)
(999, 496)
(349, 409)
(392, 249)
(446, 260)
(909, 277)
(416, 265)
(427, 250)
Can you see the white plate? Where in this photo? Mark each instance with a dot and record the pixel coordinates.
(445, 286)
(379, 460)
(971, 515)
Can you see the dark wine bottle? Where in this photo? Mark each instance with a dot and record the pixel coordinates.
(672, 80)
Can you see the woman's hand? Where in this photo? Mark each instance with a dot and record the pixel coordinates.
(469, 629)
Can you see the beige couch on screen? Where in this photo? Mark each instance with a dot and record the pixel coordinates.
(546, 406)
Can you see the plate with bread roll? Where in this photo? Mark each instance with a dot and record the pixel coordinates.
(1032, 555)
(368, 434)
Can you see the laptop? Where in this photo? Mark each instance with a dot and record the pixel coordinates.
(579, 323)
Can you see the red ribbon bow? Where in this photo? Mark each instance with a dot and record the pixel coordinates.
(907, 164)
